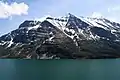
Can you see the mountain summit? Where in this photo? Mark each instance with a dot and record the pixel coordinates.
(68, 37)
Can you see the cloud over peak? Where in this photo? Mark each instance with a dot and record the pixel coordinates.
(9, 10)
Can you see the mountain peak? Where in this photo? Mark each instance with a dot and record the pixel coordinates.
(70, 15)
(29, 23)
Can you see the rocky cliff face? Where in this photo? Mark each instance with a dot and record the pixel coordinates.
(68, 37)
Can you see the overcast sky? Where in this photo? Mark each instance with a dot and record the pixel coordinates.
(14, 12)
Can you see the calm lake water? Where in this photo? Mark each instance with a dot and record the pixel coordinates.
(108, 69)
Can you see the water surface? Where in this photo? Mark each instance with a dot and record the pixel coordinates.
(108, 69)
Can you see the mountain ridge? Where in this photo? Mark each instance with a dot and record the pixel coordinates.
(66, 37)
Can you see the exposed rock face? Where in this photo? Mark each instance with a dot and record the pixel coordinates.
(63, 38)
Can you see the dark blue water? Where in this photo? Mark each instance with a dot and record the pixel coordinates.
(60, 69)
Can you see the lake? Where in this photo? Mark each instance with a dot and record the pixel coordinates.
(108, 69)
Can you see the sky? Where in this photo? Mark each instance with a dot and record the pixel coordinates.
(14, 12)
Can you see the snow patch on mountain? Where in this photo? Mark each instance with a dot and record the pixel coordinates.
(34, 27)
(42, 18)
